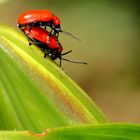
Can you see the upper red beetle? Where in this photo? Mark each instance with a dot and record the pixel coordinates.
(42, 18)
(53, 48)
(39, 18)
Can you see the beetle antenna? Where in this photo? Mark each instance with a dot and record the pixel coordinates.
(69, 34)
(74, 61)
(66, 52)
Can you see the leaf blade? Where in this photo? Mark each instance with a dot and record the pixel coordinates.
(63, 97)
(110, 131)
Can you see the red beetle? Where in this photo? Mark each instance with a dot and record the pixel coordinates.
(39, 36)
(42, 18)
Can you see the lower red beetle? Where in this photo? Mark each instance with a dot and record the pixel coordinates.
(53, 49)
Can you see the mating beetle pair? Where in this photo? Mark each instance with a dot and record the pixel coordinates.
(30, 23)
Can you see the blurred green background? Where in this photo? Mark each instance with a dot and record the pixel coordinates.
(110, 34)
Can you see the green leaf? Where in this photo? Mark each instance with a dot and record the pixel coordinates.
(35, 93)
(100, 132)
(86, 132)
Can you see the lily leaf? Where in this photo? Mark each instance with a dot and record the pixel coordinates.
(86, 132)
(35, 93)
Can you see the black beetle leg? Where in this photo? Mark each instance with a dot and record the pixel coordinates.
(48, 37)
